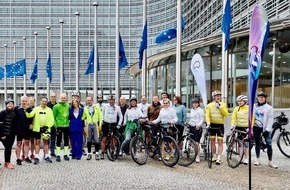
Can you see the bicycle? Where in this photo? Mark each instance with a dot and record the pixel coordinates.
(206, 146)
(138, 148)
(188, 150)
(163, 145)
(113, 144)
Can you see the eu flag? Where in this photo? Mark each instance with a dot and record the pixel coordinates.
(226, 24)
(20, 67)
(1, 73)
(143, 45)
(34, 72)
(90, 62)
(48, 68)
(9, 70)
(122, 57)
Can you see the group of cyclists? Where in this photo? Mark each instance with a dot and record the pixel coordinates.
(62, 125)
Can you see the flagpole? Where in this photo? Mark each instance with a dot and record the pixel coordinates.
(61, 55)
(5, 78)
(144, 65)
(48, 52)
(24, 57)
(14, 78)
(224, 78)
(95, 88)
(77, 51)
(35, 82)
(117, 70)
(178, 50)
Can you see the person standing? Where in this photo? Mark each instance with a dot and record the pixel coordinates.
(100, 100)
(264, 116)
(143, 105)
(154, 109)
(7, 131)
(93, 120)
(181, 115)
(61, 113)
(216, 113)
(31, 104)
(43, 120)
(76, 127)
(50, 104)
(123, 106)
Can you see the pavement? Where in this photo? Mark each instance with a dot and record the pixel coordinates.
(124, 173)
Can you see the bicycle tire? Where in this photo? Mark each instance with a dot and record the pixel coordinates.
(169, 151)
(283, 143)
(234, 158)
(151, 148)
(138, 150)
(208, 151)
(113, 148)
(188, 151)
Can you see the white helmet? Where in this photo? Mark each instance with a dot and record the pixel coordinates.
(75, 93)
(242, 98)
(215, 93)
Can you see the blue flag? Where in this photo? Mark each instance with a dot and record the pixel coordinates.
(122, 57)
(34, 72)
(168, 34)
(143, 45)
(226, 24)
(90, 62)
(48, 68)
(20, 67)
(9, 70)
(1, 73)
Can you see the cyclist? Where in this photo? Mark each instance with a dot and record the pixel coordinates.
(110, 113)
(264, 115)
(31, 104)
(165, 95)
(143, 105)
(43, 120)
(181, 115)
(7, 132)
(100, 101)
(93, 120)
(123, 106)
(133, 113)
(61, 113)
(196, 119)
(240, 121)
(52, 102)
(216, 112)
(154, 109)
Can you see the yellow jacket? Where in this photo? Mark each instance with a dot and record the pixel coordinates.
(240, 116)
(96, 118)
(216, 115)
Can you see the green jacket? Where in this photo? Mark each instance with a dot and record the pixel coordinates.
(41, 117)
(97, 118)
(61, 113)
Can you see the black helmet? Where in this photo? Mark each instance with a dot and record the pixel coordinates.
(262, 93)
(133, 98)
(111, 97)
(195, 100)
(8, 100)
(100, 96)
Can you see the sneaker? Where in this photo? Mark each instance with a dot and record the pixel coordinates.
(97, 156)
(23, 157)
(167, 158)
(84, 152)
(102, 156)
(160, 159)
(271, 165)
(89, 157)
(48, 160)
(197, 159)
(218, 162)
(214, 158)
(58, 159)
(66, 158)
(9, 165)
(121, 153)
(36, 161)
(18, 162)
(53, 155)
(246, 161)
(257, 162)
(32, 156)
(27, 160)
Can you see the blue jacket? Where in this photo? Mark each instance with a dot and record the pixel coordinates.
(76, 124)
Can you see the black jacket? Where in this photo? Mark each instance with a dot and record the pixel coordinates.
(7, 122)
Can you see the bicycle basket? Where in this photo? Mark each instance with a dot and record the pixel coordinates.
(283, 120)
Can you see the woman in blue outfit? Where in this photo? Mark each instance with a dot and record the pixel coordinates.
(76, 128)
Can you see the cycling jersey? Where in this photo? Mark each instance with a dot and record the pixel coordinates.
(216, 115)
(240, 116)
(41, 117)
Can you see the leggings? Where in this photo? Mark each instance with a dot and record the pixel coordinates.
(93, 135)
(257, 136)
(127, 139)
(62, 131)
(8, 143)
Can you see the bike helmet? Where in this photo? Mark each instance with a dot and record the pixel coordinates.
(111, 97)
(75, 93)
(215, 93)
(133, 98)
(45, 136)
(99, 96)
(195, 100)
(8, 100)
(262, 93)
(242, 98)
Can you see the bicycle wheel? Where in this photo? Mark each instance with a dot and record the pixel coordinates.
(208, 151)
(235, 153)
(283, 143)
(113, 148)
(151, 148)
(138, 150)
(169, 151)
(188, 151)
